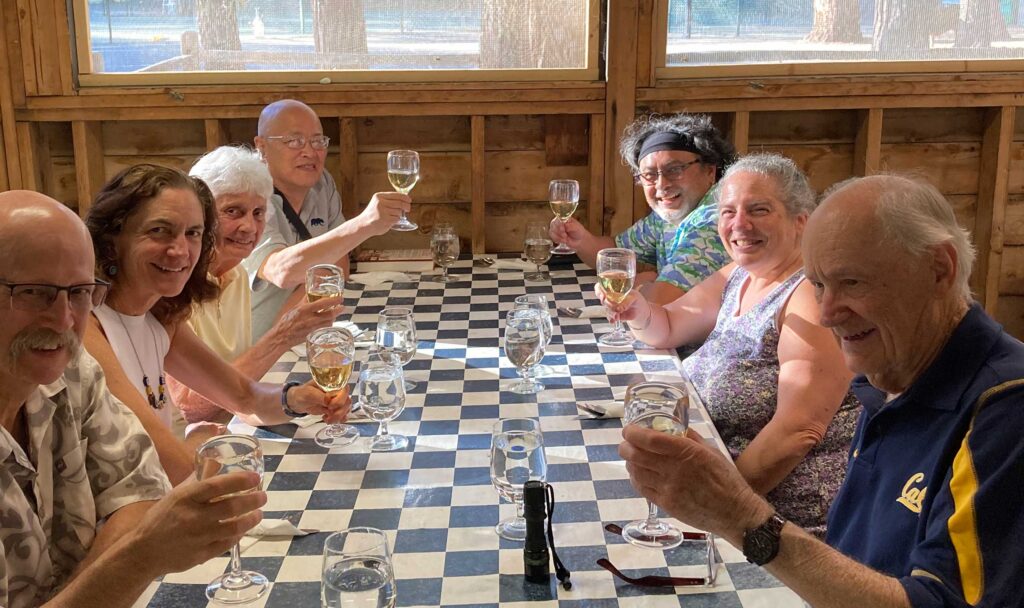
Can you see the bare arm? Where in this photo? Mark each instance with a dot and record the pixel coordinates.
(661, 292)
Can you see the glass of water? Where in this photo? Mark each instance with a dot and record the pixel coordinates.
(537, 249)
(444, 245)
(396, 333)
(517, 456)
(381, 394)
(539, 302)
(524, 347)
(357, 570)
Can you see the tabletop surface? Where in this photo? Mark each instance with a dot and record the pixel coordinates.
(435, 498)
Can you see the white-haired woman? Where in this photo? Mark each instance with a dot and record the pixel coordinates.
(772, 378)
(241, 186)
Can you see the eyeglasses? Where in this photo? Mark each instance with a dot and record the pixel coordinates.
(671, 173)
(37, 297)
(713, 559)
(298, 142)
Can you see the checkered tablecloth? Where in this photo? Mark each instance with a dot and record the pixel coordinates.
(435, 499)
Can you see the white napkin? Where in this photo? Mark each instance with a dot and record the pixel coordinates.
(594, 312)
(275, 527)
(611, 409)
(356, 415)
(514, 264)
(378, 277)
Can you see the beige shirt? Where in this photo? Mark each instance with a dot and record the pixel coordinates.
(225, 324)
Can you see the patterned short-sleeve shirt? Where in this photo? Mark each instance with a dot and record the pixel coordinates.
(686, 254)
(87, 457)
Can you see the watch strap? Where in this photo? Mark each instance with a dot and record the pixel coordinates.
(761, 544)
(284, 399)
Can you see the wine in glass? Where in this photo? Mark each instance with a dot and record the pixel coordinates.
(396, 333)
(616, 270)
(357, 571)
(564, 195)
(664, 408)
(539, 302)
(517, 456)
(444, 244)
(524, 347)
(381, 394)
(218, 456)
(324, 281)
(329, 353)
(537, 248)
(403, 173)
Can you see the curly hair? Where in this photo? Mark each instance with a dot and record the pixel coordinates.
(122, 197)
(714, 149)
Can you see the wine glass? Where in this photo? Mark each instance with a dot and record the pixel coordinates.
(616, 269)
(665, 408)
(218, 456)
(444, 244)
(539, 302)
(517, 456)
(537, 248)
(524, 346)
(357, 570)
(564, 195)
(396, 333)
(403, 173)
(329, 353)
(381, 393)
(324, 281)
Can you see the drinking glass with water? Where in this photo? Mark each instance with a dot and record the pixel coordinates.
(357, 570)
(517, 456)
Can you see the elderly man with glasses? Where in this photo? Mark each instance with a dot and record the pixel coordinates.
(305, 225)
(677, 160)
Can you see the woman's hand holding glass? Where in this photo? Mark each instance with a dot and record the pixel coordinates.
(330, 353)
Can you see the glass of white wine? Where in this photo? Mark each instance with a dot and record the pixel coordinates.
(517, 456)
(616, 269)
(403, 173)
(539, 302)
(324, 281)
(381, 393)
(665, 408)
(357, 570)
(564, 195)
(219, 456)
(524, 347)
(396, 333)
(329, 353)
(444, 244)
(537, 248)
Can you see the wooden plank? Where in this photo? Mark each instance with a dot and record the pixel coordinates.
(62, 53)
(829, 103)
(515, 132)
(739, 131)
(347, 177)
(951, 167)
(1013, 230)
(12, 161)
(12, 45)
(422, 133)
(1016, 183)
(619, 110)
(784, 68)
(650, 47)
(867, 155)
(89, 172)
(216, 133)
(799, 126)
(27, 45)
(565, 140)
(993, 177)
(1011, 279)
(911, 125)
(478, 178)
(1010, 313)
(5, 183)
(823, 165)
(33, 156)
(181, 137)
(595, 201)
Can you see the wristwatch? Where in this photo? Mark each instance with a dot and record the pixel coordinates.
(284, 399)
(761, 544)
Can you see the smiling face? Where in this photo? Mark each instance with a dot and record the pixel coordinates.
(673, 199)
(758, 232)
(293, 170)
(241, 218)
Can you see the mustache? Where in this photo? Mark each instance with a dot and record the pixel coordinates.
(29, 339)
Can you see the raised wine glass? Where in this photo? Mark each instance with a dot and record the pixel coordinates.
(662, 407)
(616, 269)
(564, 195)
(537, 248)
(381, 393)
(324, 281)
(396, 333)
(357, 570)
(524, 347)
(517, 456)
(444, 245)
(329, 353)
(218, 456)
(403, 173)
(539, 302)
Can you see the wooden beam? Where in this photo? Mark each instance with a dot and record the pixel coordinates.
(620, 110)
(595, 200)
(33, 156)
(993, 187)
(216, 133)
(348, 167)
(867, 153)
(26, 39)
(478, 179)
(649, 23)
(739, 131)
(62, 53)
(89, 173)
(11, 161)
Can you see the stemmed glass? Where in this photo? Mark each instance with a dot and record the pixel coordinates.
(357, 570)
(539, 302)
(564, 195)
(444, 244)
(665, 408)
(537, 248)
(403, 173)
(324, 281)
(381, 393)
(396, 333)
(524, 346)
(517, 456)
(616, 269)
(329, 353)
(218, 456)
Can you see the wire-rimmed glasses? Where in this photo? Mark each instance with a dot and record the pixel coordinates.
(616, 270)
(324, 281)
(524, 347)
(357, 570)
(330, 352)
(564, 197)
(396, 333)
(444, 245)
(539, 302)
(381, 394)
(517, 456)
(219, 456)
(537, 249)
(403, 173)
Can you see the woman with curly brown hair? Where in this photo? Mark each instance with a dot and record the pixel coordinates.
(153, 230)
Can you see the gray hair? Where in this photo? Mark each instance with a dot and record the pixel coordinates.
(794, 189)
(714, 149)
(234, 170)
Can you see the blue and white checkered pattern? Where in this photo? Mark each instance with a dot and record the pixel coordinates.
(435, 498)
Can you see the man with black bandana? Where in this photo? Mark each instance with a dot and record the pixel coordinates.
(677, 160)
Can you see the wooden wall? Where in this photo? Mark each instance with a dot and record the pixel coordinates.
(489, 149)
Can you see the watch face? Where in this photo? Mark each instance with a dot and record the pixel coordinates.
(758, 546)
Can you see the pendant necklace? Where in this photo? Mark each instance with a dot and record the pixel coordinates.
(154, 402)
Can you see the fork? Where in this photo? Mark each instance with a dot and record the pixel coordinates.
(569, 311)
(484, 261)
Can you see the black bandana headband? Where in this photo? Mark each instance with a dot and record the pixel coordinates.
(666, 140)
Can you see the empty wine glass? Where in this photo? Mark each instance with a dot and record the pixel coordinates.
(564, 195)
(616, 269)
(662, 407)
(524, 346)
(444, 244)
(396, 333)
(381, 394)
(218, 456)
(537, 248)
(517, 456)
(329, 353)
(403, 173)
(324, 281)
(539, 302)
(357, 570)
